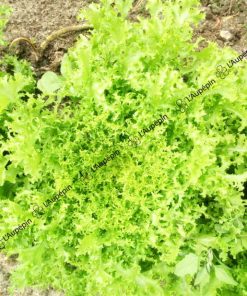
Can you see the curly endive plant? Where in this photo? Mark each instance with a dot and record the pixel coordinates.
(164, 218)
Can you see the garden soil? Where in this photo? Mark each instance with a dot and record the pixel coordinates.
(36, 20)
(225, 24)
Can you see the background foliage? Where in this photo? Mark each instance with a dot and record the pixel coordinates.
(164, 218)
(4, 14)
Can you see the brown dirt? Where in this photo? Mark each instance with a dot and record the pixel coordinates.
(37, 20)
(225, 15)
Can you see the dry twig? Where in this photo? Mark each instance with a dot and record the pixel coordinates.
(28, 41)
(63, 31)
(230, 7)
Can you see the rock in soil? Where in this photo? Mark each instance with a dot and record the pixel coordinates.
(226, 35)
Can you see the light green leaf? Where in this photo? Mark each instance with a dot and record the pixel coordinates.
(10, 88)
(224, 276)
(188, 265)
(207, 240)
(202, 277)
(49, 83)
(88, 244)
